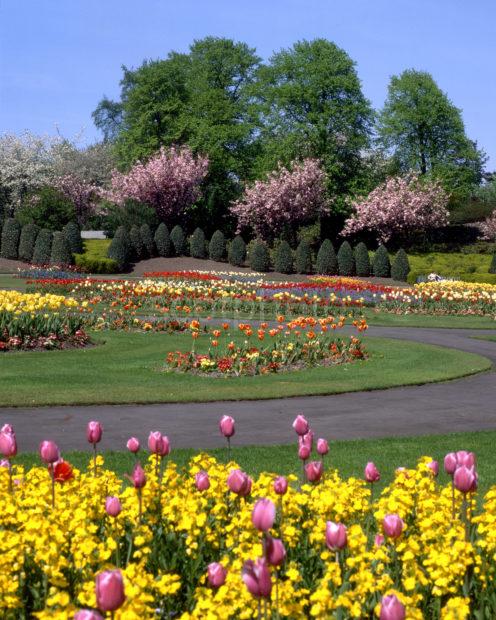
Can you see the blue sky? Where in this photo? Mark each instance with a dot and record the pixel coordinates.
(58, 57)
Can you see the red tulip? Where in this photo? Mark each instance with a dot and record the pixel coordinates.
(216, 574)
(87, 614)
(110, 590)
(322, 447)
(263, 514)
(280, 485)
(392, 608)
(450, 463)
(393, 526)
(300, 425)
(62, 471)
(94, 432)
(138, 477)
(314, 471)
(133, 445)
(239, 482)
(226, 426)
(112, 506)
(336, 536)
(202, 481)
(465, 479)
(257, 579)
(434, 467)
(8, 444)
(49, 451)
(275, 551)
(372, 473)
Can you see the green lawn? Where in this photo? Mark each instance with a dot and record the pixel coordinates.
(126, 368)
(350, 457)
(8, 282)
(96, 248)
(387, 319)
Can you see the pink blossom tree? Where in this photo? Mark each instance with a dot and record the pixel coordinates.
(169, 182)
(402, 205)
(82, 194)
(488, 227)
(287, 197)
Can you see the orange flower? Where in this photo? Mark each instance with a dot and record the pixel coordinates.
(216, 333)
(225, 326)
(62, 471)
(280, 318)
(231, 346)
(310, 335)
(215, 343)
(194, 335)
(194, 325)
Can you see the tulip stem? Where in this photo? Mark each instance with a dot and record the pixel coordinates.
(337, 558)
(452, 498)
(229, 449)
(139, 505)
(277, 593)
(52, 472)
(94, 459)
(10, 478)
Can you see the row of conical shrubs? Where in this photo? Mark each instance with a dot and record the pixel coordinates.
(40, 246)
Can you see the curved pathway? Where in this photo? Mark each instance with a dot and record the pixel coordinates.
(467, 404)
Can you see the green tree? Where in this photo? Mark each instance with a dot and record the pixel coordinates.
(283, 260)
(381, 265)
(425, 132)
(303, 260)
(362, 260)
(327, 262)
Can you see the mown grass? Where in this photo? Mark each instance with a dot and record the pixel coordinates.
(447, 321)
(96, 248)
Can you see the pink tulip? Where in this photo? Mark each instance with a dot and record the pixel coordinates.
(392, 608)
(304, 452)
(202, 481)
(155, 442)
(336, 536)
(8, 444)
(300, 425)
(263, 514)
(392, 526)
(450, 463)
(216, 574)
(465, 479)
(306, 439)
(322, 447)
(109, 590)
(133, 445)
(94, 432)
(314, 471)
(5, 463)
(49, 451)
(87, 614)
(434, 467)
(7, 428)
(226, 426)
(280, 485)
(372, 473)
(138, 477)
(465, 458)
(239, 482)
(275, 551)
(165, 451)
(257, 579)
(112, 506)
(378, 540)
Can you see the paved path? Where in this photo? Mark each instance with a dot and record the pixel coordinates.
(462, 405)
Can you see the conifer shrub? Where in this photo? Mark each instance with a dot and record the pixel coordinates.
(381, 265)
(327, 262)
(43, 247)
(147, 240)
(492, 266)
(72, 233)
(400, 267)
(162, 240)
(362, 260)
(303, 257)
(283, 260)
(61, 252)
(137, 245)
(217, 246)
(346, 261)
(178, 240)
(237, 252)
(11, 232)
(27, 241)
(259, 256)
(197, 244)
(120, 248)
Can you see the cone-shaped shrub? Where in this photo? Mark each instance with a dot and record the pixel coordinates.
(197, 244)
(381, 265)
(217, 246)
(492, 266)
(400, 267)
(362, 261)
(120, 248)
(27, 240)
(303, 257)
(237, 252)
(137, 246)
(327, 263)
(346, 261)
(283, 260)
(11, 232)
(147, 239)
(162, 240)
(178, 240)
(259, 256)
(72, 233)
(43, 247)
(61, 252)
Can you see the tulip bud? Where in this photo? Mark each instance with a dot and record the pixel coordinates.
(87, 614)
(49, 451)
(133, 445)
(465, 458)
(314, 471)
(155, 442)
(257, 579)
(138, 477)
(216, 575)
(322, 447)
(165, 449)
(392, 526)
(275, 551)
(336, 536)
(434, 467)
(372, 473)
(202, 481)
(450, 463)
(94, 432)
(263, 515)
(300, 425)
(7, 428)
(239, 482)
(392, 608)
(280, 485)
(378, 540)
(109, 590)
(226, 426)
(8, 444)
(465, 479)
(112, 506)
(304, 452)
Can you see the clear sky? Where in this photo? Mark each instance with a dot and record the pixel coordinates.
(58, 57)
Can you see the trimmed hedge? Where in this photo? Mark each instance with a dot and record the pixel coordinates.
(283, 260)
(90, 264)
(72, 233)
(147, 240)
(61, 252)
(197, 244)
(303, 257)
(162, 240)
(327, 262)
(43, 247)
(400, 267)
(178, 240)
(120, 248)
(137, 245)
(492, 266)
(362, 260)
(381, 265)
(27, 241)
(259, 256)
(217, 246)
(346, 261)
(11, 232)
(237, 252)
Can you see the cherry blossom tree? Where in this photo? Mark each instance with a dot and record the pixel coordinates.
(83, 195)
(400, 206)
(488, 227)
(286, 198)
(169, 182)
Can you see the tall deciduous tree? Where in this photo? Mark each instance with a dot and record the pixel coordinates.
(425, 132)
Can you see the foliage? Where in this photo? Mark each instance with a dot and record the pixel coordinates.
(137, 246)
(448, 265)
(303, 260)
(327, 262)
(162, 240)
(43, 247)
(488, 227)
(287, 198)
(92, 264)
(283, 260)
(27, 241)
(80, 193)
(400, 267)
(61, 252)
(237, 252)
(131, 213)
(346, 260)
(120, 249)
(400, 206)
(48, 208)
(259, 257)
(492, 266)
(72, 233)
(197, 244)
(217, 246)
(11, 232)
(178, 239)
(147, 238)
(362, 260)
(381, 265)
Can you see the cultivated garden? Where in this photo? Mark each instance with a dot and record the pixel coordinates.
(251, 247)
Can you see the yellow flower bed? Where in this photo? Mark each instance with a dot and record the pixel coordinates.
(16, 302)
